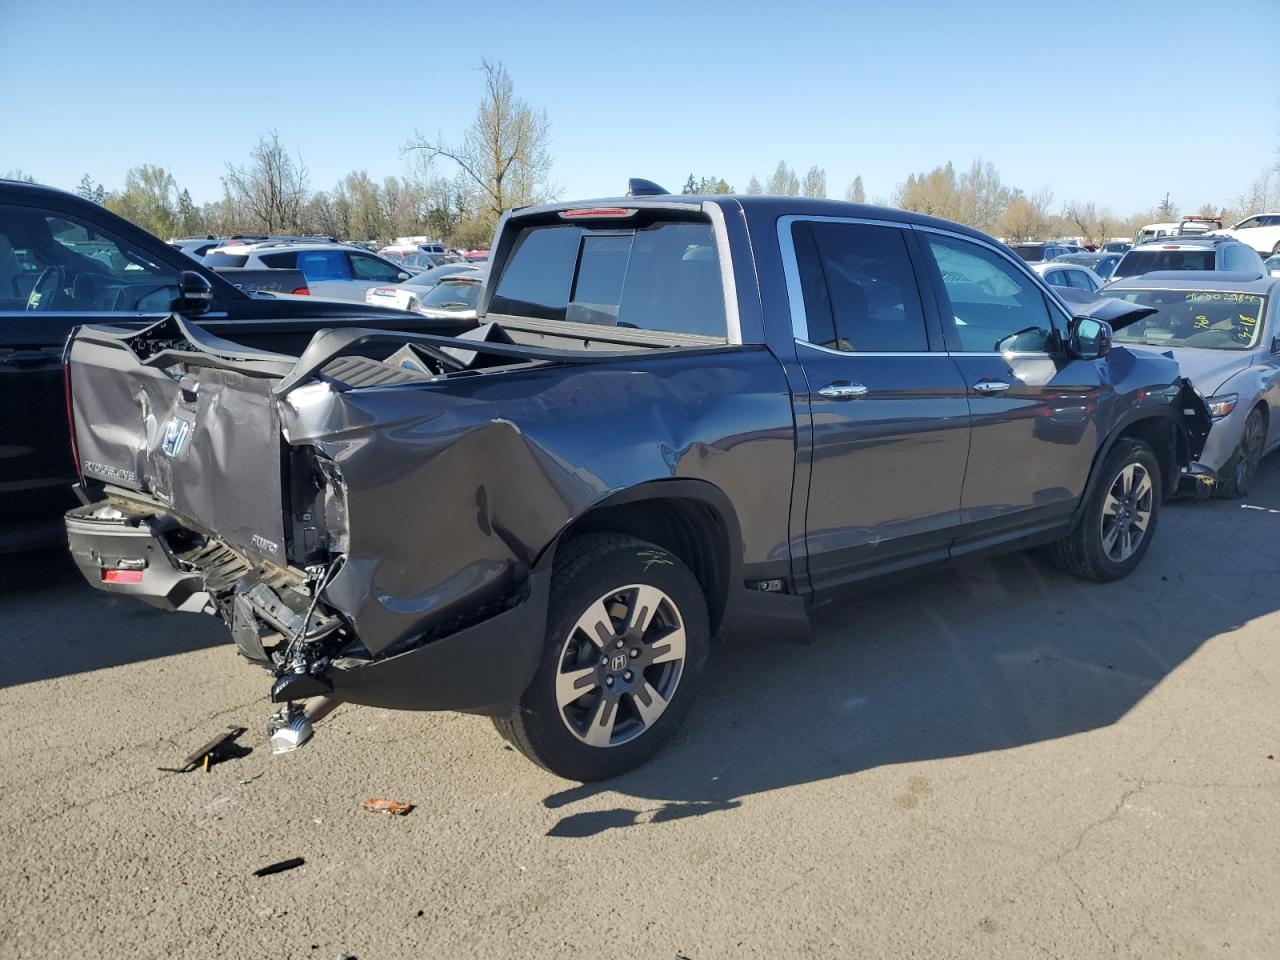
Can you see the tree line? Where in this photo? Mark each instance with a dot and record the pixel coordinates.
(457, 190)
(978, 196)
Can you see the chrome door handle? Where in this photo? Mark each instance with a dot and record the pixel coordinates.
(991, 386)
(842, 390)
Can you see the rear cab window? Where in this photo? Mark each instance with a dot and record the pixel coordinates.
(1137, 262)
(656, 273)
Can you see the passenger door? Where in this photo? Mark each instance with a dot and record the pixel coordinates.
(57, 272)
(1033, 407)
(886, 405)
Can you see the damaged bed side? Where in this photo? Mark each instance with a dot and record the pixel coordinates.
(375, 520)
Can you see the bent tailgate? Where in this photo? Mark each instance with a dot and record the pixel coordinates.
(187, 419)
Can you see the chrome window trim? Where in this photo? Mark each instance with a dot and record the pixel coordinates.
(732, 321)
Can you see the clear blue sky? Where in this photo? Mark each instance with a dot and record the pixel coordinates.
(660, 89)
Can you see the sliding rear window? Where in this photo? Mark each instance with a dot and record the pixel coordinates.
(664, 276)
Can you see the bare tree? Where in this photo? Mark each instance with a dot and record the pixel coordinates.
(753, 186)
(1026, 217)
(1085, 218)
(505, 153)
(856, 192)
(783, 182)
(272, 190)
(815, 183)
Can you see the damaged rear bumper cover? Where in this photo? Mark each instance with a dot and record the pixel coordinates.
(481, 667)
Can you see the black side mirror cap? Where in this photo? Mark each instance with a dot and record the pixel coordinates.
(195, 293)
(1090, 338)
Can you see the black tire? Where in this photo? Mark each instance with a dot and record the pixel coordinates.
(593, 567)
(1236, 475)
(1083, 552)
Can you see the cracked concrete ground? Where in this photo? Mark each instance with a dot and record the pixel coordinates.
(995, 761)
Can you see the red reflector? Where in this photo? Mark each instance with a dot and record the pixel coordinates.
(1169, 247)
(122, 576)
(302, 292)
(604, 212)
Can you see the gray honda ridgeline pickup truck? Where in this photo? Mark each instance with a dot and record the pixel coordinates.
(678, 417)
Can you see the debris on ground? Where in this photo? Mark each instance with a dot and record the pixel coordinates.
(387, 806)
(220, 748)
(279, 867)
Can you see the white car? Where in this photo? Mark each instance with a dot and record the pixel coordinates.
(1059, 274)
(333, 270)
(1273, 265)
(453, 296)
(1261, 231)
(409, 294)
(1154, 231)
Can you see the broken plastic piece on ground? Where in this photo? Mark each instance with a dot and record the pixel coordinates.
(288, 728)
(279, 867)
(222, 747)
(391, 807)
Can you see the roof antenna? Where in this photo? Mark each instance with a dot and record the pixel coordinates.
(636, 187)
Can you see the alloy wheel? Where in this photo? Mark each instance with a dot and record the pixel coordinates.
(1126, 512)
(620, 665)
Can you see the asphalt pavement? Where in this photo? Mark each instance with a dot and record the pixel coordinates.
(993, 761)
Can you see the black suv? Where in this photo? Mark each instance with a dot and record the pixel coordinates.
(66, 261)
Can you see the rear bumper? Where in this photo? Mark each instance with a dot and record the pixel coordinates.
(482, 668)
(101, 543)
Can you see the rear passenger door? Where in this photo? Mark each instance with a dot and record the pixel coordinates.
(890, 423)
(1033, 406)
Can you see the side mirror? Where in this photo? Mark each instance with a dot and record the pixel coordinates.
(1090, 338)
(402, 276)
(195, 293)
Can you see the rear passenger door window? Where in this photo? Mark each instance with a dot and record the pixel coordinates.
(859, 288)
(320, 265)
(372, 268)
(989, 305)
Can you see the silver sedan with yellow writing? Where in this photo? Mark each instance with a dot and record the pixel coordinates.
(1224, 331)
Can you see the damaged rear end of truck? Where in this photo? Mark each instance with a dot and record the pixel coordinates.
(315, 508)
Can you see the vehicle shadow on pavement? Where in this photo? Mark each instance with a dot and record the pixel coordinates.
(985, 656)
(53, 624)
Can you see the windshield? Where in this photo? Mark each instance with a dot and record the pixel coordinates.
(1209, 319)
(452, 295)
(1031, 252)
(1137, 262)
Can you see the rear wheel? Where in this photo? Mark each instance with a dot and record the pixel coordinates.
(1115, 530)
(1236, 475)
(627, 635)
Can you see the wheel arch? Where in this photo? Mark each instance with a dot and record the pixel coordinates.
(1161, 430)
(693, 519)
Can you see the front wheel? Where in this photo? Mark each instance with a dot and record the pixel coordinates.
(1115, 529)
(627, 635)
(1236, 475)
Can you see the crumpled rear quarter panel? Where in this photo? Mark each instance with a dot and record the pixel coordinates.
(454, 489)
